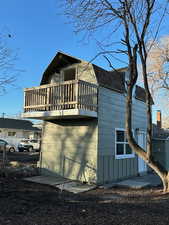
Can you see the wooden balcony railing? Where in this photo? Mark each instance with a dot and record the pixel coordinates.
(76, 94)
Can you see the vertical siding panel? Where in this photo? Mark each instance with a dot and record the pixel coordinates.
(124, 168)
(101, 169)
(108, 165)
(105, 169)
(116, 169)
(111, 169)
(120, 173)
(133, 166)
(128, 167)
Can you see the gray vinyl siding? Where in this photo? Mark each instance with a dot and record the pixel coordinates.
(69, 149)
(111, 115)
(111, 169)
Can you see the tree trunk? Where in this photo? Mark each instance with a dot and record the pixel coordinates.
(165, 181)
(162, 173)
(155, 165)
(146, 156)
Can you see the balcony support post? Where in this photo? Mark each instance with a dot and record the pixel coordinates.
(48, 99)
(77, 94)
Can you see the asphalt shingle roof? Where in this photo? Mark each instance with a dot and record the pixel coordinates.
(17, 124)
(114, 80)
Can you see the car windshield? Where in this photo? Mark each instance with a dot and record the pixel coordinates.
(34, 141)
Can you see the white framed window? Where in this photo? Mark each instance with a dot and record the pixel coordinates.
(122, 148)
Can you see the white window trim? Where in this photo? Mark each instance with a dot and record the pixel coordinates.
(124, 156)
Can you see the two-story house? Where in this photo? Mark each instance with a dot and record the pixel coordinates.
(83, 109)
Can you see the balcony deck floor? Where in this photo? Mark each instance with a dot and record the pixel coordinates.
(60, 114)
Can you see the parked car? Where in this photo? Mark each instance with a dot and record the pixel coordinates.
(29, 145)
(4, 145)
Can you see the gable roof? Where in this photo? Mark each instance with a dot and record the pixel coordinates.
(59, 61)
(17, 124)
(110, 79)
(114, 80)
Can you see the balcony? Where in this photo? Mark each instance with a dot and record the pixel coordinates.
(69, 99)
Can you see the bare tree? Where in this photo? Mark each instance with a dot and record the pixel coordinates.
(158, 64)
(7, 60)
(158, 74)
(132, 21)
(166, 122)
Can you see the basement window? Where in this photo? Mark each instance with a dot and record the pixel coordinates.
(122, 148)
(69, 74)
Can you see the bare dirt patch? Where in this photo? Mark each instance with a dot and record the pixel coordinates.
(29, 203)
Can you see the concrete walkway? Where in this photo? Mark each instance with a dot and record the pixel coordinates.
(62, 183)
(50, 180)
(148, 180)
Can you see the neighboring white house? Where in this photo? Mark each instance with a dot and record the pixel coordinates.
(13, 130)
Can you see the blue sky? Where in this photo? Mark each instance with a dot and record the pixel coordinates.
(37, 31)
